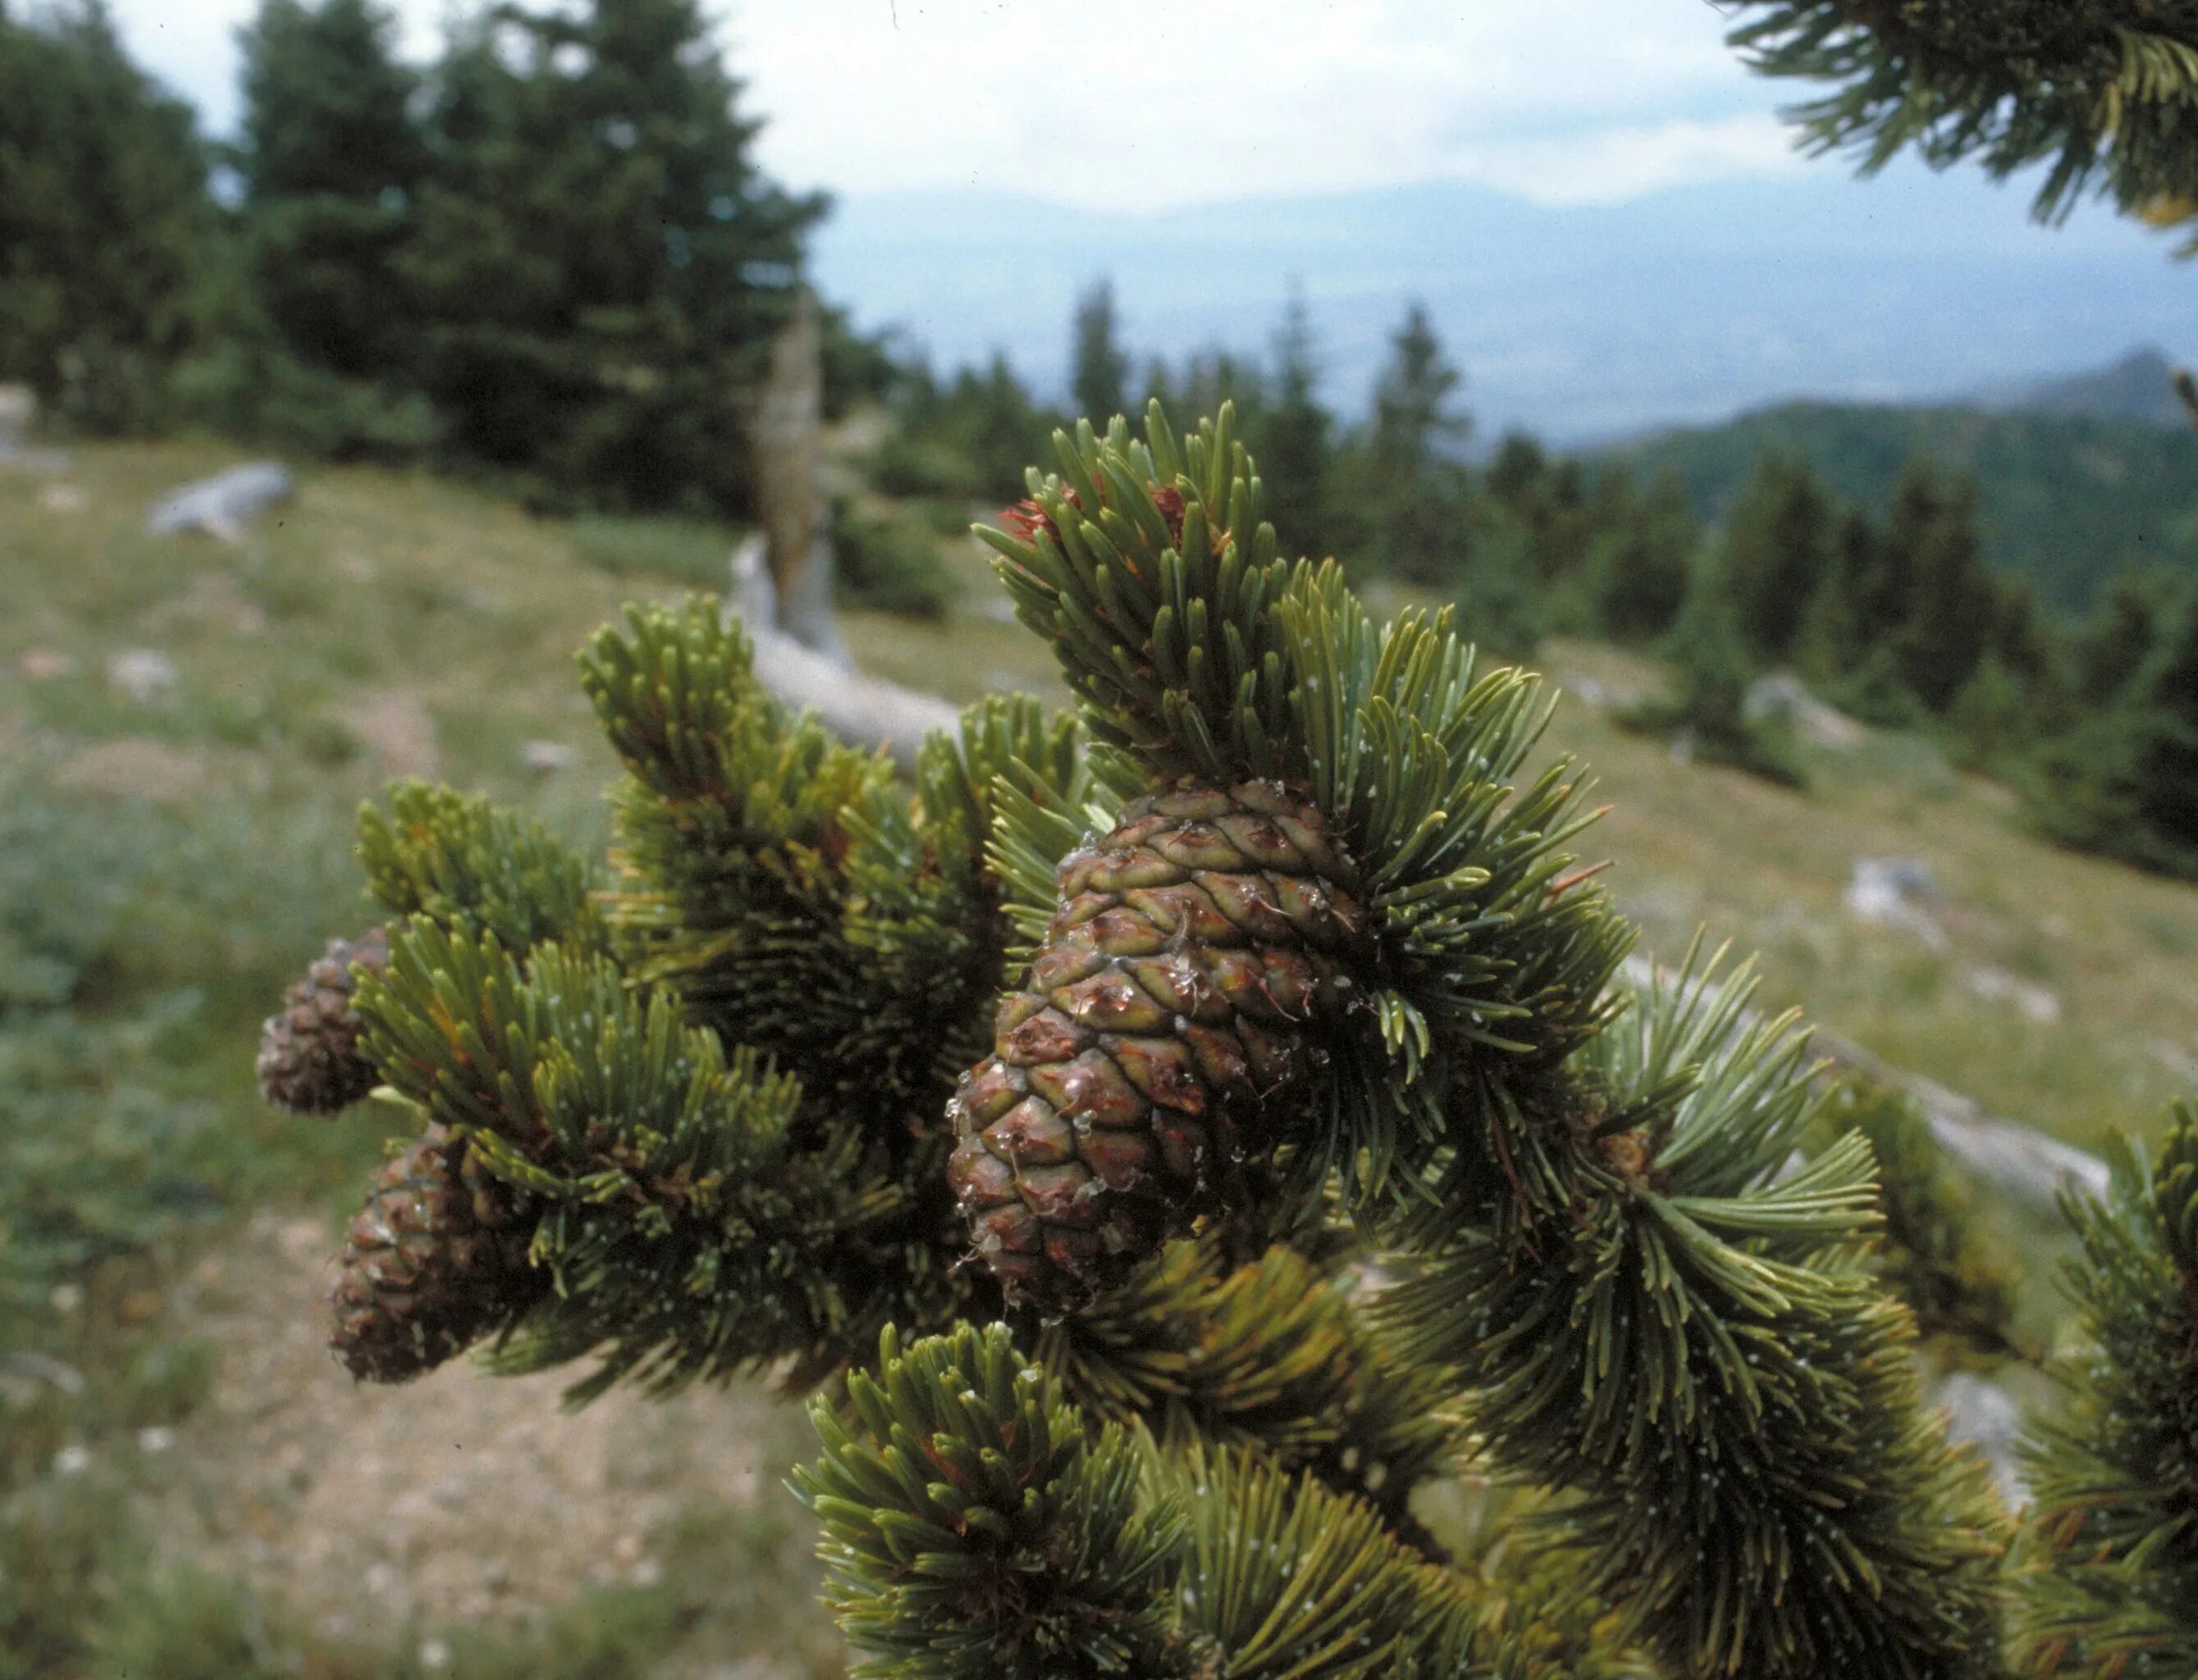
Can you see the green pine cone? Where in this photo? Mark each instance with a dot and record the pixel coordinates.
(436, 1258)
(1196, 952)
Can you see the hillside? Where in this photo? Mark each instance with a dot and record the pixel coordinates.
(2067, 500)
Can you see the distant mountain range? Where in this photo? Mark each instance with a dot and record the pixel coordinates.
(2138, 386)
(1582, 322)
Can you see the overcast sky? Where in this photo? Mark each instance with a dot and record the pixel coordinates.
(1150, 102)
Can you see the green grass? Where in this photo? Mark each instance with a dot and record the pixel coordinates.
(1763, 866)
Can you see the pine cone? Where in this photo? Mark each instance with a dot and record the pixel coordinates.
(309, 1059)
(437, 1255)
(1195, 950)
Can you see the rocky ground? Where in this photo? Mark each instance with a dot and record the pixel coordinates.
(463, 1498)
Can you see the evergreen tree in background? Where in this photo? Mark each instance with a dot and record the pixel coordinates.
(109, 246)
(2123, 780)
(1099, 367)
(331, 161)
(600, 268)
(1640, 568)
(1416, 489)
(1947, 621)
(1775, 553)
(325, 350)
(1044, 1112)
(2107, 654)
(1415, 424)
(1296, 437)
(1705, 713)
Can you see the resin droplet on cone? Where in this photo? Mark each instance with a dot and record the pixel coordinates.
(1197, 953)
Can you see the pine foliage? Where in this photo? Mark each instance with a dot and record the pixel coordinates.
(2111, 1588)
(2100, 96)
(1611, 1249)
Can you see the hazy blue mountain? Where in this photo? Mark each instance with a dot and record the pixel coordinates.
(2065, 499)
(2136, 387)
(1580, 322)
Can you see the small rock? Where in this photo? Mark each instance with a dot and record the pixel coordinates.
(1892, 893)
(143, 674)
(1781, 695)
(434, 1653)
(1590, 690)
(154, 1439)
(63, 497)
(225, 506)
(547, 758)
(1997, 985)
(45, 665)
(71, 1461)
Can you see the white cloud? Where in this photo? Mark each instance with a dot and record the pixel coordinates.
(1153, 102)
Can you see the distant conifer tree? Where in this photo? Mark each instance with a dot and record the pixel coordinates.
(109, 246)
(1776, 552)
(1099, 367)
(600, 265)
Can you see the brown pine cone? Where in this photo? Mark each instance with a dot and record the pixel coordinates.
(1197, 950)
(309, 1058)
(436, 1257)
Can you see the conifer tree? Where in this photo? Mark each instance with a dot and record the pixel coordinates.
(1296, 437)
(1947, 621)
(1415, 487)
(1099, 367)
(330, 159)
(600, 265)
(1639, 571)
(1043, 1112)
(2123, 779)
(1775, 553)
(109, 244)
(324, 351)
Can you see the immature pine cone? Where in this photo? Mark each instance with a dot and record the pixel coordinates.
(309, 1059)
(1196, 951)
(437, 1255)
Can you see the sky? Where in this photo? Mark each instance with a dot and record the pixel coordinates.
(1144, 104)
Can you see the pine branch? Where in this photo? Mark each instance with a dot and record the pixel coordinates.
(694, 1217)
(1648, 1312)
(462, 862)
(2102, 96)
(977, 1525)
(1273, 1353)
(2110, 1581)
(976, 1529)
(1341, 947)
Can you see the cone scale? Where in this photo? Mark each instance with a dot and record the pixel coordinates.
(1195, 954)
